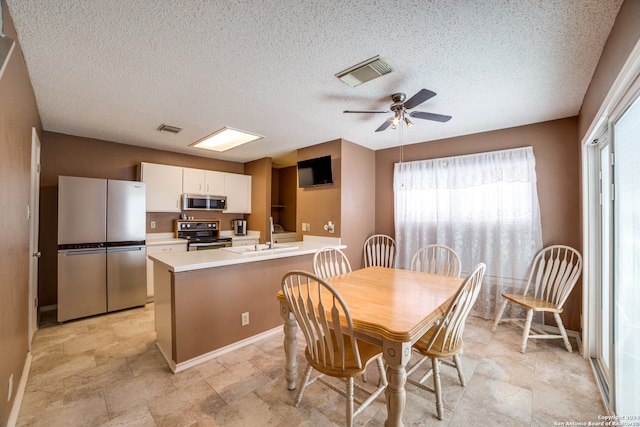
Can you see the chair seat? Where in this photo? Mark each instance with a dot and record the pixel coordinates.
(368, 352)
(436, 348)
(532, 303)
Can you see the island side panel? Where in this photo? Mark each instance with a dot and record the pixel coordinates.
(163, 306)
(208, 303)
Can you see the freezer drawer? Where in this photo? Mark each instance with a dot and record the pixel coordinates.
(126, 277)
(81, 283)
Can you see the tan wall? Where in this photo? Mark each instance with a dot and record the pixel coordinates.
(78, 156)
(624, 36)
(555, 146)
(208, 304)
(318, 205)
(18, 114)
(358, 199)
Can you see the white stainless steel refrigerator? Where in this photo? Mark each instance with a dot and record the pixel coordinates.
(101, 246)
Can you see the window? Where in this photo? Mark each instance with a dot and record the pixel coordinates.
(484, 206)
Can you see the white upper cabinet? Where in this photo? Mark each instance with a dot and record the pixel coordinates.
(214, 182)
(192, 181)
(238, 191)
(164, 187)
(199, 181)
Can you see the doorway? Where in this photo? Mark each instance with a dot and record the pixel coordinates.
(34, 221)
(614, 250)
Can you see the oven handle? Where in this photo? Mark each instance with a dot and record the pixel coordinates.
(211, 245)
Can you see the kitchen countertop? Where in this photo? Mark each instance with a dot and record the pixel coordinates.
(157, 239)
(197, 260)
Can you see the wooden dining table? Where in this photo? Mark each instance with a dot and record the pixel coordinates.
(390, 307)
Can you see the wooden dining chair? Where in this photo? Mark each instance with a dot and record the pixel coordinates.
(380, 250)
(444, 339)
(553, 274)
(436, 259)
(329, 262)
(332, 347)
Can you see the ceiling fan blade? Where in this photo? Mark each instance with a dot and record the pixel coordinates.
(365, 111)
(430, 116)
(385, 125)
(419, 98)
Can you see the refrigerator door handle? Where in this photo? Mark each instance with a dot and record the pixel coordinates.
(83, 252)
(125, 249)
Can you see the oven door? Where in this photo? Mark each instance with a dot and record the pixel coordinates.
(203, 246)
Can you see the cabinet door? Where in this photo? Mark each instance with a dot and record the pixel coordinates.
(164, 187)
(238, 192)
(214, 183)
(193, 181)
(158, 249)
(200, 181)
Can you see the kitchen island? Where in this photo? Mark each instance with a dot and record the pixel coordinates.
(202, 297)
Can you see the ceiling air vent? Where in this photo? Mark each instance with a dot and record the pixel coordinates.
(168, 128)
(364, 71)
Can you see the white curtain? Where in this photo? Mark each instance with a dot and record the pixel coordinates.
(484, 206)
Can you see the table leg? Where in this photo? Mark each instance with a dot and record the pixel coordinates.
(290, 346)
(397, 355)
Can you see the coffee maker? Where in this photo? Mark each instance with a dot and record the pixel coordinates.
(239, 227)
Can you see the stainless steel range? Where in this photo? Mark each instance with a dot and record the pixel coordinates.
(201, 234)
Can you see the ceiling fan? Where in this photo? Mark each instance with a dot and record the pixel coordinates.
(400, 107)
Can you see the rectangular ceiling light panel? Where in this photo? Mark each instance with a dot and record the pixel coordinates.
(368, 70)
(225, 139)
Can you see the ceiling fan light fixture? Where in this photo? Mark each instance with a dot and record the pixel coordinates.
(365, 71)
(408, 122)
(225, 139)
(396, 120)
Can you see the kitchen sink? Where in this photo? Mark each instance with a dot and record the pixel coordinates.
(253, 249)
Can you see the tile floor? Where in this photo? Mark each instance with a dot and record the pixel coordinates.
(107, 371)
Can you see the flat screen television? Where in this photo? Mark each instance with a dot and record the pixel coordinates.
(314, 172)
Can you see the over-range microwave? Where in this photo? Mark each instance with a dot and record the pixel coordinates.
(192, 202)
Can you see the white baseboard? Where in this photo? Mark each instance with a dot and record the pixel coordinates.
(17, 401)
(179, 367)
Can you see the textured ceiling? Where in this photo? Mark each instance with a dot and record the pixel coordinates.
(117, 69)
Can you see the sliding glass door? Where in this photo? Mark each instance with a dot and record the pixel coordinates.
(603, 298)
(626, 267)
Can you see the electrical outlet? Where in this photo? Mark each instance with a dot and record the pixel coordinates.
(245, 318)
(153, 224)
(10, 388)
